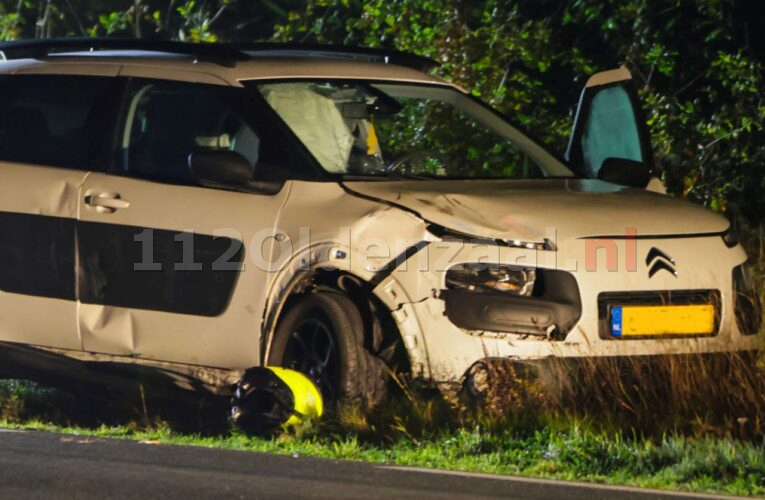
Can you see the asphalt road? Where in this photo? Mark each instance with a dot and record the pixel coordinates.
(47, 465)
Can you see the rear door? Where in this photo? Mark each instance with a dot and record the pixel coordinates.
(53, 129)
(171, 270)
(609, 124)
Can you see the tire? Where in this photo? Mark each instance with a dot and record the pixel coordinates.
(303, 341)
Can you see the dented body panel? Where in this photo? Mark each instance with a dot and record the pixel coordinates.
(227, 337)
(38, 210)
(525, 209)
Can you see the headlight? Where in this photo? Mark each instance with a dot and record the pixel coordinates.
(491, 277)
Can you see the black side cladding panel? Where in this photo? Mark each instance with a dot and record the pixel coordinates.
(37, 255)
(109, 255)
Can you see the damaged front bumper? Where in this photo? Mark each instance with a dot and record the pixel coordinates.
(448, 331)
(551, 312)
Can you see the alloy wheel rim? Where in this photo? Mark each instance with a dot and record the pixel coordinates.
(312, 351)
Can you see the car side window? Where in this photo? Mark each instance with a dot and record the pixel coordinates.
(56, 120)
(166, 122)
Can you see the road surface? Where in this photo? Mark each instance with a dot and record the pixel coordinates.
(48, 465)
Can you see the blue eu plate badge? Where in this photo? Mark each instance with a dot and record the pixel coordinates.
(616, 321)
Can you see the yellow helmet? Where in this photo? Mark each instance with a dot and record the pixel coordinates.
(269, 398)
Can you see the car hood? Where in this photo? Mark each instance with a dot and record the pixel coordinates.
(525, 209)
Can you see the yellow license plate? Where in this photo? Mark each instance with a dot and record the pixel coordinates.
(639, 321)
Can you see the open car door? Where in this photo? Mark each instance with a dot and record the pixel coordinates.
(610, 139)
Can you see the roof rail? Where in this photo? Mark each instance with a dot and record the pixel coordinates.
(207, 52)
(226, 54)
(388, 56)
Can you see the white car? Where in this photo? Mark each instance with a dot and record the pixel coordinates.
(199, 210)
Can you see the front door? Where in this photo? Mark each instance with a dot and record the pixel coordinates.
(609, 127)
(171, 270)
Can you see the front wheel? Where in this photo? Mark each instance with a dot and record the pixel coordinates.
(322, 336)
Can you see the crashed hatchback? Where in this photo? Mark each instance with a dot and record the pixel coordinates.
(200, 210)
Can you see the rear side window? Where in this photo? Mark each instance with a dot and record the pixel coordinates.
(54, 120)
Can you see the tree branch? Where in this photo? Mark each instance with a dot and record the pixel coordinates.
(168, 13)
(217, 14)
(137, 18)
(76, 18)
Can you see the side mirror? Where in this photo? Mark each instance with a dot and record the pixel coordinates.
(221, 167)
(625, 172)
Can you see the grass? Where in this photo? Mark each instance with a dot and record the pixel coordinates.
(571, 453)
(563, 437)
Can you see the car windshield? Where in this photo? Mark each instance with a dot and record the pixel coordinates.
(403, 130)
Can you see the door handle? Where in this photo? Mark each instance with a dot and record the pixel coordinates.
(107, 203)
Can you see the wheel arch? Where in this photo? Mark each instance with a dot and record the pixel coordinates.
(383, 337)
